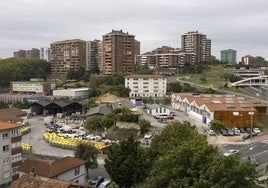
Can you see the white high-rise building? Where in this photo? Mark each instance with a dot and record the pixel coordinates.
(45, 53)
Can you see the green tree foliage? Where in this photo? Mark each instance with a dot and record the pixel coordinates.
(216, 125)
(21, 105)
(114, 84)
(145, 126)
(231, 77)
(183, 158)
(89, 103)
(127, 163)
(94, 123)
(172, 136)
(88, 153)
(109, 120)
(174, 87)
(259, 62)
(17, 69)
(3, 105)
(188, 88)
(143, 69)
(73, 74)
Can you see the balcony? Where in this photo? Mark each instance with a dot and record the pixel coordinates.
(16, 150)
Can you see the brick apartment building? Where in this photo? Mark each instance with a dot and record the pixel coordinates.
(119, 52)
(66, 55)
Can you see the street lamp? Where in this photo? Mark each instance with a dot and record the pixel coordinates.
(251, 123)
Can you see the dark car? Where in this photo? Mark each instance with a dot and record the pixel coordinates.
(224, 132)
(252, 160)
(96, 181)
(242, 130)
(230, 132)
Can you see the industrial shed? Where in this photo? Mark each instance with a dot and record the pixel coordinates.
(52, 107)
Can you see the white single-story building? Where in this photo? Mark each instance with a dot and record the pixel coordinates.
(156, 109)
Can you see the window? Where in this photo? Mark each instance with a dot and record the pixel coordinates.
(5, 148)
(5, 135)
(76, 170)
(5, 161)
(14, 170)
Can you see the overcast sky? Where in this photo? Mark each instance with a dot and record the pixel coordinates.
(237, 24)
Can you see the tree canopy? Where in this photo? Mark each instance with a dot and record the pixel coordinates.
(18, 69)
(127, 163)
(88, 153)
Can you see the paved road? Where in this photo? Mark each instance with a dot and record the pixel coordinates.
(39, 146)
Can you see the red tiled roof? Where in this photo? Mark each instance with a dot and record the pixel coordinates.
(6, 125)
(11, 114)
(33, 181)
(221, 102)
(48, 168)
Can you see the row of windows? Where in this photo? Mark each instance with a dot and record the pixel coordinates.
(15, 144)
(5, 135)
(16, 158)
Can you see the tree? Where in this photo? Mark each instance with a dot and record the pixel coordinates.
(127, 163)
(94, 123)
(174, 87)
(216, 125)
(184, 159)
(145, 126)
(21, 105)
(88, 153)
(3, 105)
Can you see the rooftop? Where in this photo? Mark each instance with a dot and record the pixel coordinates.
(6, 126)
(117, 32)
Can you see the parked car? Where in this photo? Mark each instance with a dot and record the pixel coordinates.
(248, 130)
(172, 113)
(231, 152)
(252, 160)
(211, 132)
(148, 135)
(224, 132)
(105, 184)
(256, 130)
(170, 117)
(242, 130)
(246, 136)
(96, 181)
(230, 132)
(236, 131)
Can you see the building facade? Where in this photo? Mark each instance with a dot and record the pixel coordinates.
(33, 53)
(94, 56)
(10, 155)
(229, 56)
(197, 43)
(146, 85)
(118, 52)
(67, 168)
(66, 55)
(45, 53)
(247, 60)
(166, 60)
(232, 111)
(34, 86)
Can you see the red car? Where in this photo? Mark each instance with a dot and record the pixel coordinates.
(170, 117)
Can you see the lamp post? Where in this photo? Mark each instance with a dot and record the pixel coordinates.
(251, 123)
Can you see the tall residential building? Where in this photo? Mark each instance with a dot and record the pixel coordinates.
(197, 43)
(45, 53)
(93, 55)
(10, 154)
(118, 52)
(33, 53)
(228, 56)
(20, 54)
(66, 55)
